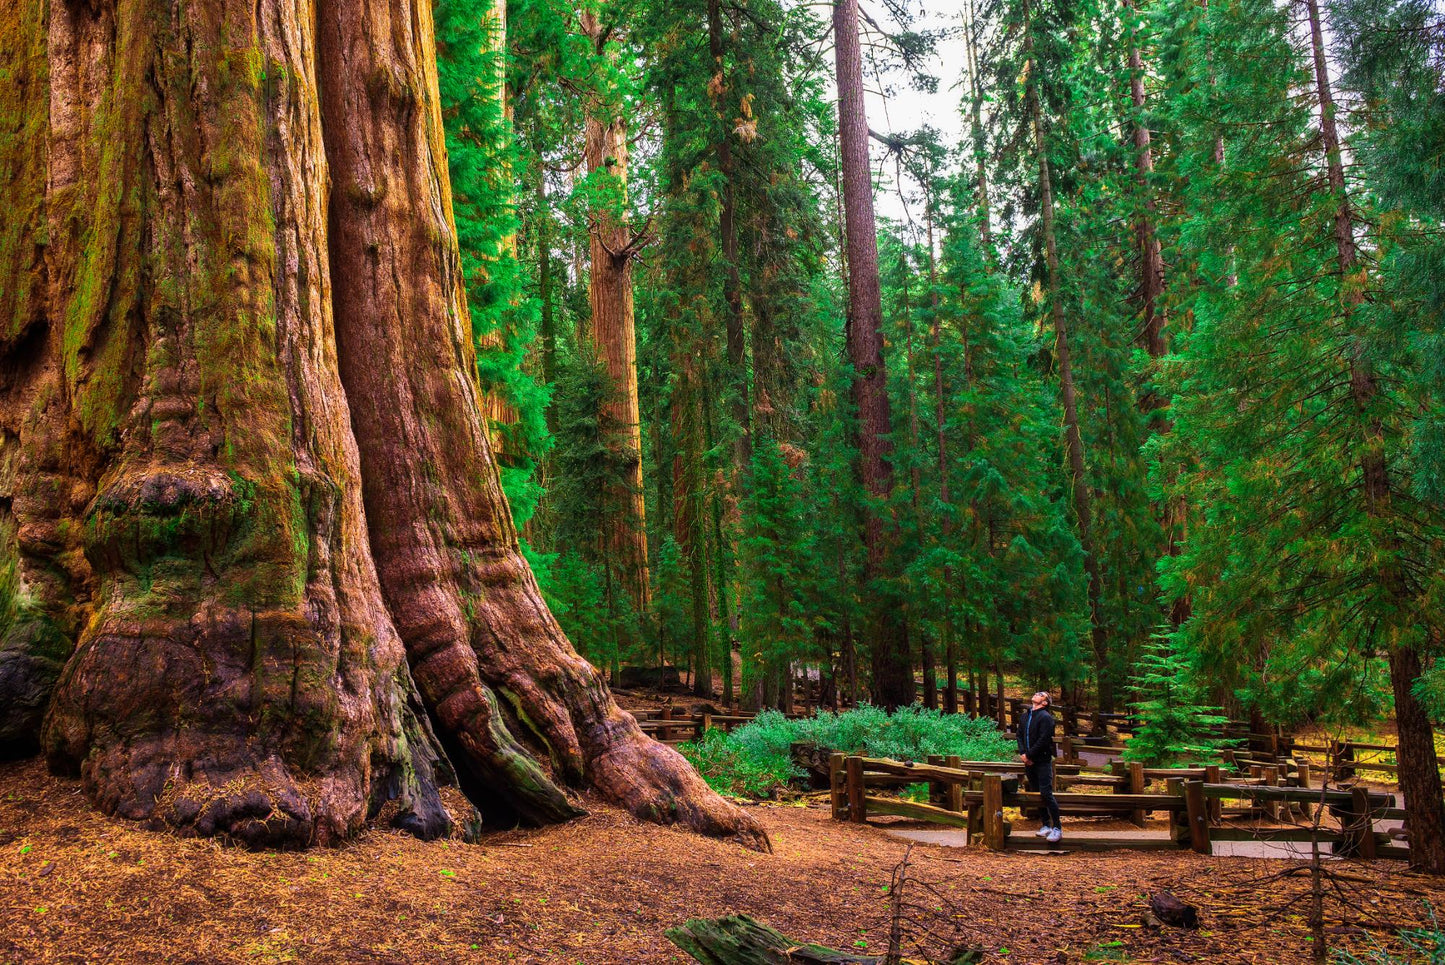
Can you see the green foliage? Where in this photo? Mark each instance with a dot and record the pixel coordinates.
(757, 755)
(481, 154)
(1179, 729)
(753, 770)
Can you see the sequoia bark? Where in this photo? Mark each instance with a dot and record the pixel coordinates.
(236, 401)
(892, 664)
(612, 247)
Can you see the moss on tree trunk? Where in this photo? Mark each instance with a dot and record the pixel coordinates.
(246, 495)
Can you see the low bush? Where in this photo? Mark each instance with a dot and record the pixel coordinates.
(755, 759)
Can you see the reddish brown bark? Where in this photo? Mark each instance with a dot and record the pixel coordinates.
(181, 424)
(244, 453)
(1419, 774)
(1151, 258)
(888, 635)
(612, 247)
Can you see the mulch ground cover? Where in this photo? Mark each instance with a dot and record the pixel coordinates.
(79, 887)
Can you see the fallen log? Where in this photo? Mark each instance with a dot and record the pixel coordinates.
(743, 940)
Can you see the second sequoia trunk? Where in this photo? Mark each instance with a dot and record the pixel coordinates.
(246, 482)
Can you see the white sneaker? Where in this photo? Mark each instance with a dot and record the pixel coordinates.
(1054, 835)
(1043, 832)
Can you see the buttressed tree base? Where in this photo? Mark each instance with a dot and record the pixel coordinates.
(257, 575)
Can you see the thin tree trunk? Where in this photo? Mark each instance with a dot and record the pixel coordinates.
(1151, 258)
(976, 134)
(732, 280)
(888, 633)
(1073, 440)
(497, 411)
(915, 472)
(1419, 774)
(548, 322)
(940, 404)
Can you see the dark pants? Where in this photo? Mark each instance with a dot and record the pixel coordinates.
(1040, 776)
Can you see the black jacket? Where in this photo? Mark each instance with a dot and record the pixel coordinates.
(1036, 735)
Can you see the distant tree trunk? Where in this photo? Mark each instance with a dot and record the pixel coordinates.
(1151, 257)
(497, 410)
(281, 485)
(976, 135)
(615, 337)
(925, 641)
(1419, 773)
(1073, 440)
(689, 504)
(888, 633)
(727, 228)
(940, 404)
(548, 323)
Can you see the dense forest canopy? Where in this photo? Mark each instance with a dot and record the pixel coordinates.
(1160, 328)
(1135, 362)
(1158, 360)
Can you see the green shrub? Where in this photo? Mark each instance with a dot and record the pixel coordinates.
(744, 772)
(755, 759)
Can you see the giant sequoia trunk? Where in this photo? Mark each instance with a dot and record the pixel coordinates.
(246, 497)
(888, 634)
(614, 333)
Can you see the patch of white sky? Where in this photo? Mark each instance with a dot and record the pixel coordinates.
(897, 107)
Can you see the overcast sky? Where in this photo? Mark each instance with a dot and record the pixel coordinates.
(906, 109)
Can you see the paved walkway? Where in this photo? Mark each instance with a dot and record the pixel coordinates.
(1108, 840)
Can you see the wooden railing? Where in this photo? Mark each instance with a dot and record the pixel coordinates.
(973, 795)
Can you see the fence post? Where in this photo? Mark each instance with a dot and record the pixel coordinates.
(1363, 822)
(704, 725)
(838, 786)
(1197, 813)
(935, 788)
(1136, 786)
(954, 789)
(1216, 805)
(857, 809)
(1271, 779)
(664, 733)
(1346, 766)
(993, 835)
(1177, 820)
(975, 811)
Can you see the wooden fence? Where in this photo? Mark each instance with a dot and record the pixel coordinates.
(973, 795)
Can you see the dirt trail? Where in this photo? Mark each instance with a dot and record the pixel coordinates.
(76, 887)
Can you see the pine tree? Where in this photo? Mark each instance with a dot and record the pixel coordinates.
(1179, 729)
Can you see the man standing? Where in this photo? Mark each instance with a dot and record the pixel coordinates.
(1036, 747)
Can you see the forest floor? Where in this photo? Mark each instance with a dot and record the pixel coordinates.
(79, 887)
